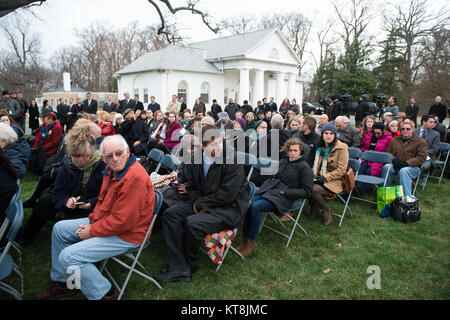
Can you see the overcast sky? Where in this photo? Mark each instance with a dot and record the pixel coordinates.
(59, 18)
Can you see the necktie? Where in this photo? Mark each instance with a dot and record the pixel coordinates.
(424, 134)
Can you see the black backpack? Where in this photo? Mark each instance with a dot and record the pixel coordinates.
(405, 211)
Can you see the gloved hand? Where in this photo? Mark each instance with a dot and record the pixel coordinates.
(320, 180)
(398, 164)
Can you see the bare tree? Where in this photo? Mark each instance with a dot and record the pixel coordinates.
(414, 23)
(191, 6)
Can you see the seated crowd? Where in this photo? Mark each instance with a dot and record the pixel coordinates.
(90, 170)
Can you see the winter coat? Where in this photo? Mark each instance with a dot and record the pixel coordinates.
(310, 140)
(120, 210)
(294, 180)
(222, 193)
(171, 133)
(106, 128)
(381, 145)
(50, 143)
(19, 155)
(414, 151)
(33, 113)
(337, 163)
(351, 136)
(13, 108)
(68, 184)
(440, 110)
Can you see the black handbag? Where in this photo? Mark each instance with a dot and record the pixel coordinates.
(405, 211)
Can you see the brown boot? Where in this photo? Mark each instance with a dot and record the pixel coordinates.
(313, 210)
(248, 249)
(286, 219)
(243, 243)
(327, 216)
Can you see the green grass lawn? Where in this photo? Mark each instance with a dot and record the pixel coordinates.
(413, 259)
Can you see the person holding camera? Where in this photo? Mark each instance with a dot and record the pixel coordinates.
(77, 184)
(336, 108)
(330, 165)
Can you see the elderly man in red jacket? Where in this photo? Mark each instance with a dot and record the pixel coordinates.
(117, 224)
(49, 135)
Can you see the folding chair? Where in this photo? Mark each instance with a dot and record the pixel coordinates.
(443, 147)
(354, 153)
(296, 206)
(249, 160)
(144, 244)
(10, 212)
(354, 164)
(7, 265)
(156, 155)
(215, 236)
(374, 156)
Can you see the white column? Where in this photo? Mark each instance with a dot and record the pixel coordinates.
(280, 88)
(243, 84)
(258, 87)
(291, 86)
(164, 96)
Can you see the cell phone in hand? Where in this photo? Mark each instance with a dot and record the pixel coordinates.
(79, 203)
(174, 183)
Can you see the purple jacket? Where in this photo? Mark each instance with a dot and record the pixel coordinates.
(171, 133)
(381, 146)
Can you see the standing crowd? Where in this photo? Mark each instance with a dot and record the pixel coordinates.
(88, 163)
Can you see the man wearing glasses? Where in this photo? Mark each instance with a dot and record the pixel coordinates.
(117, 224)
(409, 152)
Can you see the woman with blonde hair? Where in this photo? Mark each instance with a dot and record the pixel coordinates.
(76, 187)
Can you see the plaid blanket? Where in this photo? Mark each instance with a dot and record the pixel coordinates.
(217, 243)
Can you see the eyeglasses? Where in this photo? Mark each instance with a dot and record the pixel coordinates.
(406, 129)
(118, 154)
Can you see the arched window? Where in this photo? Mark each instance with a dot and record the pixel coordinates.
(274, 54)
(204, 92)
(182, 90)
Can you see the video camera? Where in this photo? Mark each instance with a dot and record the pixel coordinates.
(325, 101)
(380, 100)
(346, 98)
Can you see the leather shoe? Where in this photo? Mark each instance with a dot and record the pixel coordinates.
(56, 290)
(114, 296)
(175, 275)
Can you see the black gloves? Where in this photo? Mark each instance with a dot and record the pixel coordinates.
(398, 164)
(320, 180)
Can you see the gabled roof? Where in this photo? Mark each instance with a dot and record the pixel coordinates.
(172, 58)
(198, 56)
(232, 46)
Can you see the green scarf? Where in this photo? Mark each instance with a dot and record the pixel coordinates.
(321, 152)
(87, 168)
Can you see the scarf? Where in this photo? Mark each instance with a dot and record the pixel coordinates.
(321, 152)
(158, 132)
(43, 134)
(86, 170)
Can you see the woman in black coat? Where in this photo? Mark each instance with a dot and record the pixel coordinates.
(294, 180)
(79, 180)
(33, 112)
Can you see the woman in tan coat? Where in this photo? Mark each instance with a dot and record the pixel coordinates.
(329, 167)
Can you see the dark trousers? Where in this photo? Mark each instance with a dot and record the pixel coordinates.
(183, 232)
(43, 211)
(316, 198)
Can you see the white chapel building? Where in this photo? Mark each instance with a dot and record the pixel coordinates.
(249, 66)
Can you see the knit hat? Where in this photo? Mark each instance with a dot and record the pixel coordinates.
(50, 115)
(242, 122)
(329, 126)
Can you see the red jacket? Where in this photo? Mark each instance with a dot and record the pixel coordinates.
(171, 133)
(121, 210)
(52, 141)
(106, 128)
